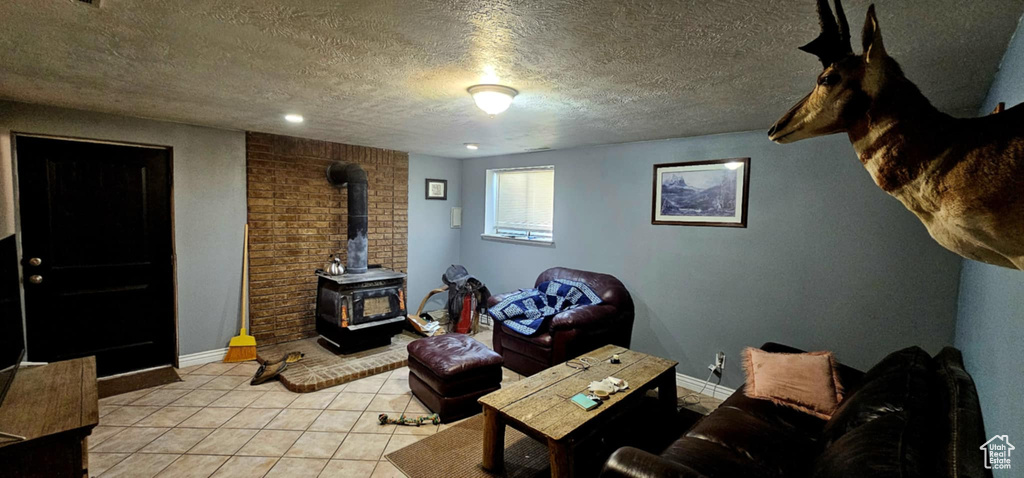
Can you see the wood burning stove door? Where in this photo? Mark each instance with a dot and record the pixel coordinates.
(375, 304)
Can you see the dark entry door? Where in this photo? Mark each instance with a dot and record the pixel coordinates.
(97, 252)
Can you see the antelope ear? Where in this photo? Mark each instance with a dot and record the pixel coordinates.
(871, 39)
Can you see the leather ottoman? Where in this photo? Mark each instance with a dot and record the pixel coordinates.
(448, 373)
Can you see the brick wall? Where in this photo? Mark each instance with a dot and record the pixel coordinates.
(297, 219)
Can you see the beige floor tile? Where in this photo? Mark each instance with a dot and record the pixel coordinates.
(351, 401)
(389, 403)
(316, 445)
(317, 400)
(126, 416)
(297, 468)
(365, 385)
(198, 398)
(210, 418)
(247, 369)
(177, 440)
(401, 441)
(224, 382)
(215, 368)
(100, 462)
(386, 470)
(271, 386)
(362, 446)
(160, 397)
(270, 443)
(369, 423)
(245, 467)
(335, 421)
(275, 400)
(106, 409)
(189, 382)
(416, 407)
(253, 418)
(395, 387)
(129, 440)
(293, 419)
(237, 398)
(223, 441)
(193, 466)
(140, 465)
(125, 398)
(348, 469)
(101, 433)
(422, 430)
(167, 417)
(189, 369)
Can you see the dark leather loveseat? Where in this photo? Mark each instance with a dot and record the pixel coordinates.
(910, 416)
(573, 332)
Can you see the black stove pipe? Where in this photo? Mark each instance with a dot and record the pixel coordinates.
(341, 174)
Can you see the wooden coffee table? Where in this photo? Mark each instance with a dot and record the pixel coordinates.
(539, 405)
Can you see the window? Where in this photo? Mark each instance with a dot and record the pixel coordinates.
(520, 203)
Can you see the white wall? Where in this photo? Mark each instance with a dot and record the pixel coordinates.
(433, 244)
(209, 206)
(828, 261)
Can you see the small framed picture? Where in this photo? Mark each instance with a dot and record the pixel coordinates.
(701, 193)
(437, 189)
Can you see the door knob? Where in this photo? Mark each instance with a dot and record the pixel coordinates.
(35, 261)
(35, 279)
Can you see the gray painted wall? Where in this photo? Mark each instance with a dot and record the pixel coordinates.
(828, 261)
(990, 319)
(209, 206)
(433, 244)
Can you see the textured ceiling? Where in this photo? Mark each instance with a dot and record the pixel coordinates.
(393, 73)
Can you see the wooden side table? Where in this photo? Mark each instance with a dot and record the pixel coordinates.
(539, 405)
(55, 408)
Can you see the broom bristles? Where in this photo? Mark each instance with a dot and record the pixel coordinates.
(240, 354)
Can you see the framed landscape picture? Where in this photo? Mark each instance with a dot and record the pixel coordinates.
(701, 193)
(437, 189)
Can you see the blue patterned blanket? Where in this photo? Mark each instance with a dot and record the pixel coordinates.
(525, 311)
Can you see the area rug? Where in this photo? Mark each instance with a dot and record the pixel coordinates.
(457, 451)
(130, 382)
(324, 367)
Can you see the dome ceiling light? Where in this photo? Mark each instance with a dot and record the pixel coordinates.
(493, 99)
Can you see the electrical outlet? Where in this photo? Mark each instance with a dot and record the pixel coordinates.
(720, 361)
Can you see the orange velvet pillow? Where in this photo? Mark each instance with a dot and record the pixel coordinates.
(807, 382)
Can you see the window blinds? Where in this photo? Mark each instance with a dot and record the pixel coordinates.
(525, 199)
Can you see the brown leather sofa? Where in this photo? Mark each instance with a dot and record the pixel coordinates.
(910, 416)
(573, 332)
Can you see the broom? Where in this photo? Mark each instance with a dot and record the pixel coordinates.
(243, 347)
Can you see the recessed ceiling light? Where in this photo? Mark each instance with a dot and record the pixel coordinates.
(472, 146)
(734, 165)
(293, 118)
(493, 99)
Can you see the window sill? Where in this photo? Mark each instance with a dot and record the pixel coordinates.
(517, 240)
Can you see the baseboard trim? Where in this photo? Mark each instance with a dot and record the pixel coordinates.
(202, 358)
(695, 384)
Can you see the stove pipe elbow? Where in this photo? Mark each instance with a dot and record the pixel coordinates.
(340, 175)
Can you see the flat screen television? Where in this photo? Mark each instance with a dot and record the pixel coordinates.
(12, 343)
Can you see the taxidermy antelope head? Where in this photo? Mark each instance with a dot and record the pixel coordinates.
(962, 177)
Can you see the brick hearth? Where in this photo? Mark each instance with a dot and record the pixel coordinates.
(297, 219)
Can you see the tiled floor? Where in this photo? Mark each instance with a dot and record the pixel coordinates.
(215, 424)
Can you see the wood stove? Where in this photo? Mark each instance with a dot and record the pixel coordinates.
(360, 311)
(364, 307)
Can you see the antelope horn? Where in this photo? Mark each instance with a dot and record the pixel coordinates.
(833, 43)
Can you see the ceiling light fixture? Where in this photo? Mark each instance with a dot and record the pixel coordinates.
(294, 118)
(493, 99)
(472, 146)
(733, 165)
